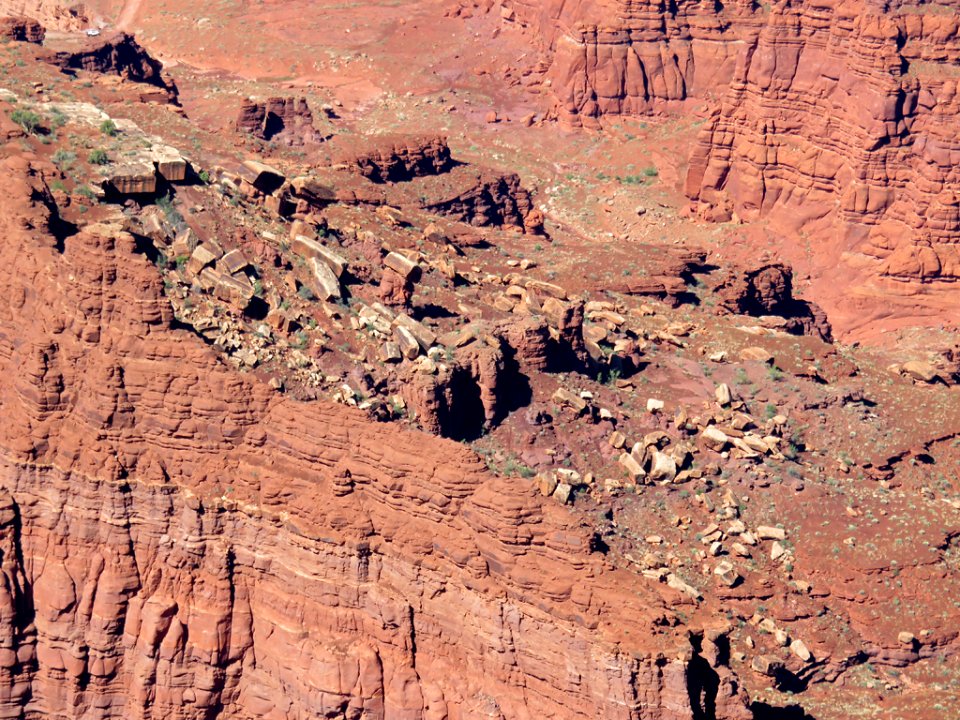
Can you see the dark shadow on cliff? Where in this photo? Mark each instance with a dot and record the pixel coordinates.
(703, 684)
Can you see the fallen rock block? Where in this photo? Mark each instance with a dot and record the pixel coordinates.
(633, 468)
(423, 335)
(202, 256)
(304, 246)
(906, 638)
(663, 468)
(563, 493)
(402, 265)
(723, 395)
(680, 586)
(714, 439)
(799, 648)
(766, 665)
(325, 284)
(756, 353)
(547, 483)
(409, 347)
(390, 352)
(726, 573)
(765, 532)
(139, 178)
(918, 370)
(564, 397)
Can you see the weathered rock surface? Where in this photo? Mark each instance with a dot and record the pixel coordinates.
(180, 541)
(118, 54)
(767, 289)
(836, 121)
(632, 58)
(22, 29)
(479, 196)
(864, 136)
(52, 13)
(398, 158)
(288, 120)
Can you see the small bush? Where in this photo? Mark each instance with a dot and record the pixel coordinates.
(305, 293)
(109, 127)
(29, 121)
(98, 157)
(651, 171)
(57, 119)
(64, 158)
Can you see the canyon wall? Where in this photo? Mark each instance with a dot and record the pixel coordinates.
(178, 540)
(834, 122)
(847, 111)
(627, 57)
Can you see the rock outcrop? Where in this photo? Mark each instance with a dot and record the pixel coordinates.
(52, 13)
(22, 29)
(288, 120)
(481, 197)
(767, 289)
(118, 54)
(179, 540)
(834, 120)
(399, 158)
(634, 58)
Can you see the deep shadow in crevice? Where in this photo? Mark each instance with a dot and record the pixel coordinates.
(788, 681)
(61, 230)
(272, 126)
(765, 711)
(464, 419)
(257, 309)
(516, 393)
(144, 246)
(432, 311)
(703, 684)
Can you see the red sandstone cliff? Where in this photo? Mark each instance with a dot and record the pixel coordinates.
(837, 122)
(179, 541)
(847, 112)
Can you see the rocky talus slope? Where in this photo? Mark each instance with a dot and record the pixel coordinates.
(178, 540)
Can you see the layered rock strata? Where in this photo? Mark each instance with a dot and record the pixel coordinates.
(845, 112)
(180, 541)
(52, 13)
(288, 120)
(632, 58)
(398, 158)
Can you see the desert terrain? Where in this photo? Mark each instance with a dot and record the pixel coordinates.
(440, 360)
